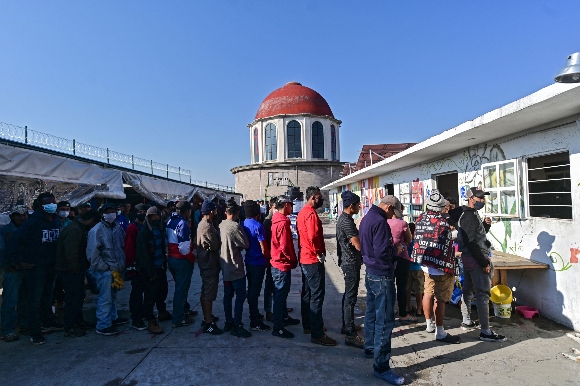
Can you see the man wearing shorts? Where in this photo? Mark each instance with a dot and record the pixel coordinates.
(434, 250)
(208, 260)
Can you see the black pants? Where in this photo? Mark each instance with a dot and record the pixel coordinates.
(401, 275)
(74, 294)
(313, 289)
(351, 281)
(255, 275)
(146, 293)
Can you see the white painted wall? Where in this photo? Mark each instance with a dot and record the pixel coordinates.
(554, 291)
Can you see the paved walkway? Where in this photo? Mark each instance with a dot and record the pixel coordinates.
(185, 356)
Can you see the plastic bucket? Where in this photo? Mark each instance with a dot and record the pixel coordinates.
(503, 311)
(501, 294)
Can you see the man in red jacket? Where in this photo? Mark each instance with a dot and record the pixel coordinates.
(312, 256)
(283, 260)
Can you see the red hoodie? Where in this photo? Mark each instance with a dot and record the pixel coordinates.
(282, 246)
(310, 235)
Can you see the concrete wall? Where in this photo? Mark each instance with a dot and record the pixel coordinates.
(555, 242)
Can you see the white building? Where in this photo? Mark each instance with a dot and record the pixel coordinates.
(527, 154)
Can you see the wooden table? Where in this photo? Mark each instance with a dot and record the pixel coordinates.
(502, 262)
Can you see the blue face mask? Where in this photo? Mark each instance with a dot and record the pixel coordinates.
(479, 205)
(49, 208)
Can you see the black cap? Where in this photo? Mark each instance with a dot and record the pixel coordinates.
(86, 205)
(63, 203)
(476, 192)
(142, 206)
(170, 203)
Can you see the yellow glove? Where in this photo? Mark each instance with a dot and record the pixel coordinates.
(118, 282)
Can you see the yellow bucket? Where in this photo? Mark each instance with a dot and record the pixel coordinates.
(501, 294)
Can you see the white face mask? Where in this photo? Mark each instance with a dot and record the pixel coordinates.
(109, 217)
(64, 213)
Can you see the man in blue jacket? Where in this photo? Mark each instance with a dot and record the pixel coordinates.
(32, 250)
(378, 254)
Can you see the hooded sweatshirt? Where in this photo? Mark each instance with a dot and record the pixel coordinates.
(106, 247)
(179, 238)
(310, 235)
(376, 243)
(472, 237)
(234, 241)
(283, 254)
(72, 249)
(34, 242)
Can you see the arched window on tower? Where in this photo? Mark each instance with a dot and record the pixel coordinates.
(271, 149)
(333, 142)
(317, 140)
(256, 146)
(294, 141)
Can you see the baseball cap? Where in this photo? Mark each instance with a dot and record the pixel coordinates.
(86, 205)
(63, 203)
(20, 209)
(153, 210)
(283, 200)
(474, 192)
(395, 203)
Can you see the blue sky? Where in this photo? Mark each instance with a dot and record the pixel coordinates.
(178, 81)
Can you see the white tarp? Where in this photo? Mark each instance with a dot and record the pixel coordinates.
(161, 191)
(25, 173)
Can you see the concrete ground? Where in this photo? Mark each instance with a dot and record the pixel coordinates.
(185, 356)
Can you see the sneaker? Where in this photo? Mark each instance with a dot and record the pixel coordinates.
(74, 332)
(165, 315)
(214, 318)
(492, 338)
(390, 376)
(369, 353)
(138, 325)
(119, 321)
(37, 339)
(290, 321)
(153, 327)
(283, 333)
(452, 339)
(354, 341)
(269, 317)
(184, 323)
(470, 326)
(357, 327)
(86, 325)
(260, 326)
(51, 326)
(240, 332)
(22, 330)
(109, 331)
(260, 316)
(10, 337)
(325, 340)
(212, 329)
(191, 313)
(228, 326)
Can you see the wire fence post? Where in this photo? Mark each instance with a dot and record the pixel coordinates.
(180, 174)
(25, 134)
(151, 166)
(74, 147)
(108, 156)
(167, 170)
(132, 162)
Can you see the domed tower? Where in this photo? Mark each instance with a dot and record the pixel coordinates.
(294, 141)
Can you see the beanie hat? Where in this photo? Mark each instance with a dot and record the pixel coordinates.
(436, 201)
(153, 210)
(142, 206)
(349, 198)
(207, 207)
(251, 208)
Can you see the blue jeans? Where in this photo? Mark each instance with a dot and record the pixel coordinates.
(237, 288)
(37, 285)
(11, 302)
(255, 275)
(282, 281)
(313, 282)
(268, 290)
(181, 270)
(106, 307)
(380, 318)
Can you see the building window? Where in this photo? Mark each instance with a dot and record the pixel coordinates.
(500, 179)
(256, 146)
(278, 179)
(271, 149)
(549, 186)
(333, 143)
(294, 141)
(317, 140)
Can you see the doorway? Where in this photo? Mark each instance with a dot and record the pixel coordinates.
(448, 185)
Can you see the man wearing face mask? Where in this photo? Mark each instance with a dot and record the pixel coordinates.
(32, 250)
(312, 253)
(63, 211)
(150, 269)
(477, 267)
(123, 215)
(136, 297)
(106, 254)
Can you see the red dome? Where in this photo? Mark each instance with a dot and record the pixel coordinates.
(293, 99)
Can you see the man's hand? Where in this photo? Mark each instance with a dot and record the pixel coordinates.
(24, 266)
(400, 248)
(487, 269)
(487, 220)
(321, 258)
